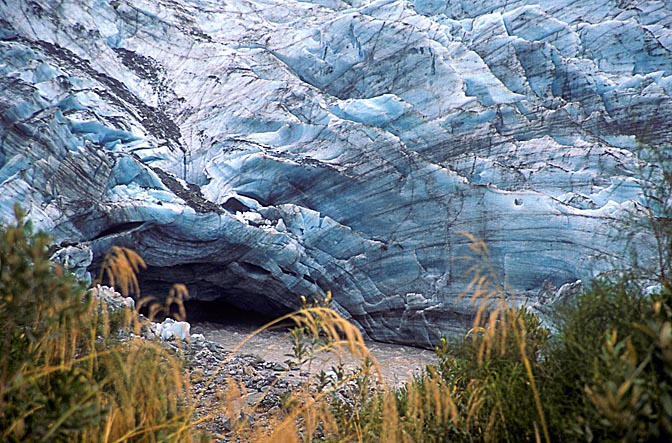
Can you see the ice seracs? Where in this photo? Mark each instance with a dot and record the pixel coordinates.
(260, 151)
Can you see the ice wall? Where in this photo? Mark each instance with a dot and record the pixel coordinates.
(262, 150)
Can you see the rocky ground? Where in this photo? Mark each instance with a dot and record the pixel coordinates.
(262, 371)
(211, 367)
(262, 364)
(397, 362)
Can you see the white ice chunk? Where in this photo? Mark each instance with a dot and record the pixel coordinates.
(171, 329)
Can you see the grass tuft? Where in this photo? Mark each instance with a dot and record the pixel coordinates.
(66, 374)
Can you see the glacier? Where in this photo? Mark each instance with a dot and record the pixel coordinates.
(261, 150)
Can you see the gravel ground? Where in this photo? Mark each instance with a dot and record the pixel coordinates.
(211, 367)
(397, 363)
(261, 369)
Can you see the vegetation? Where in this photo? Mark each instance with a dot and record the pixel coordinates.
(65, 374)
(604, 376)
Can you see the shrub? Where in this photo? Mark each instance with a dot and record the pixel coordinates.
(64, 374)
(41, 313)
(495, 390)
(610, 306)
(631, 387)
(605, 376)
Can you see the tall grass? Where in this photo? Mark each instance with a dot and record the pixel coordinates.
(65, 372)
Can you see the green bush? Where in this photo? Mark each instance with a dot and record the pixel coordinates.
(572, 359)
(64, 374)
(605, 376)
(491, 384)
(631, 387)
(40, 311)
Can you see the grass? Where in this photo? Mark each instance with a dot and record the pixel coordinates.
(71, 369)
(66, 372)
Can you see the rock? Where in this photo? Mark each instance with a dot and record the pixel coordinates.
(276, 366)
(112, 299)
(76, 259)
(550, 298)
(197, 340)
(258, 153)
(170, 329)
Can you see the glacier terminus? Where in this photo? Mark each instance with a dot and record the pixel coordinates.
(261, 150)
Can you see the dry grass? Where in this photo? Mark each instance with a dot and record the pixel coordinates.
(120, 269)
(70, 369)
